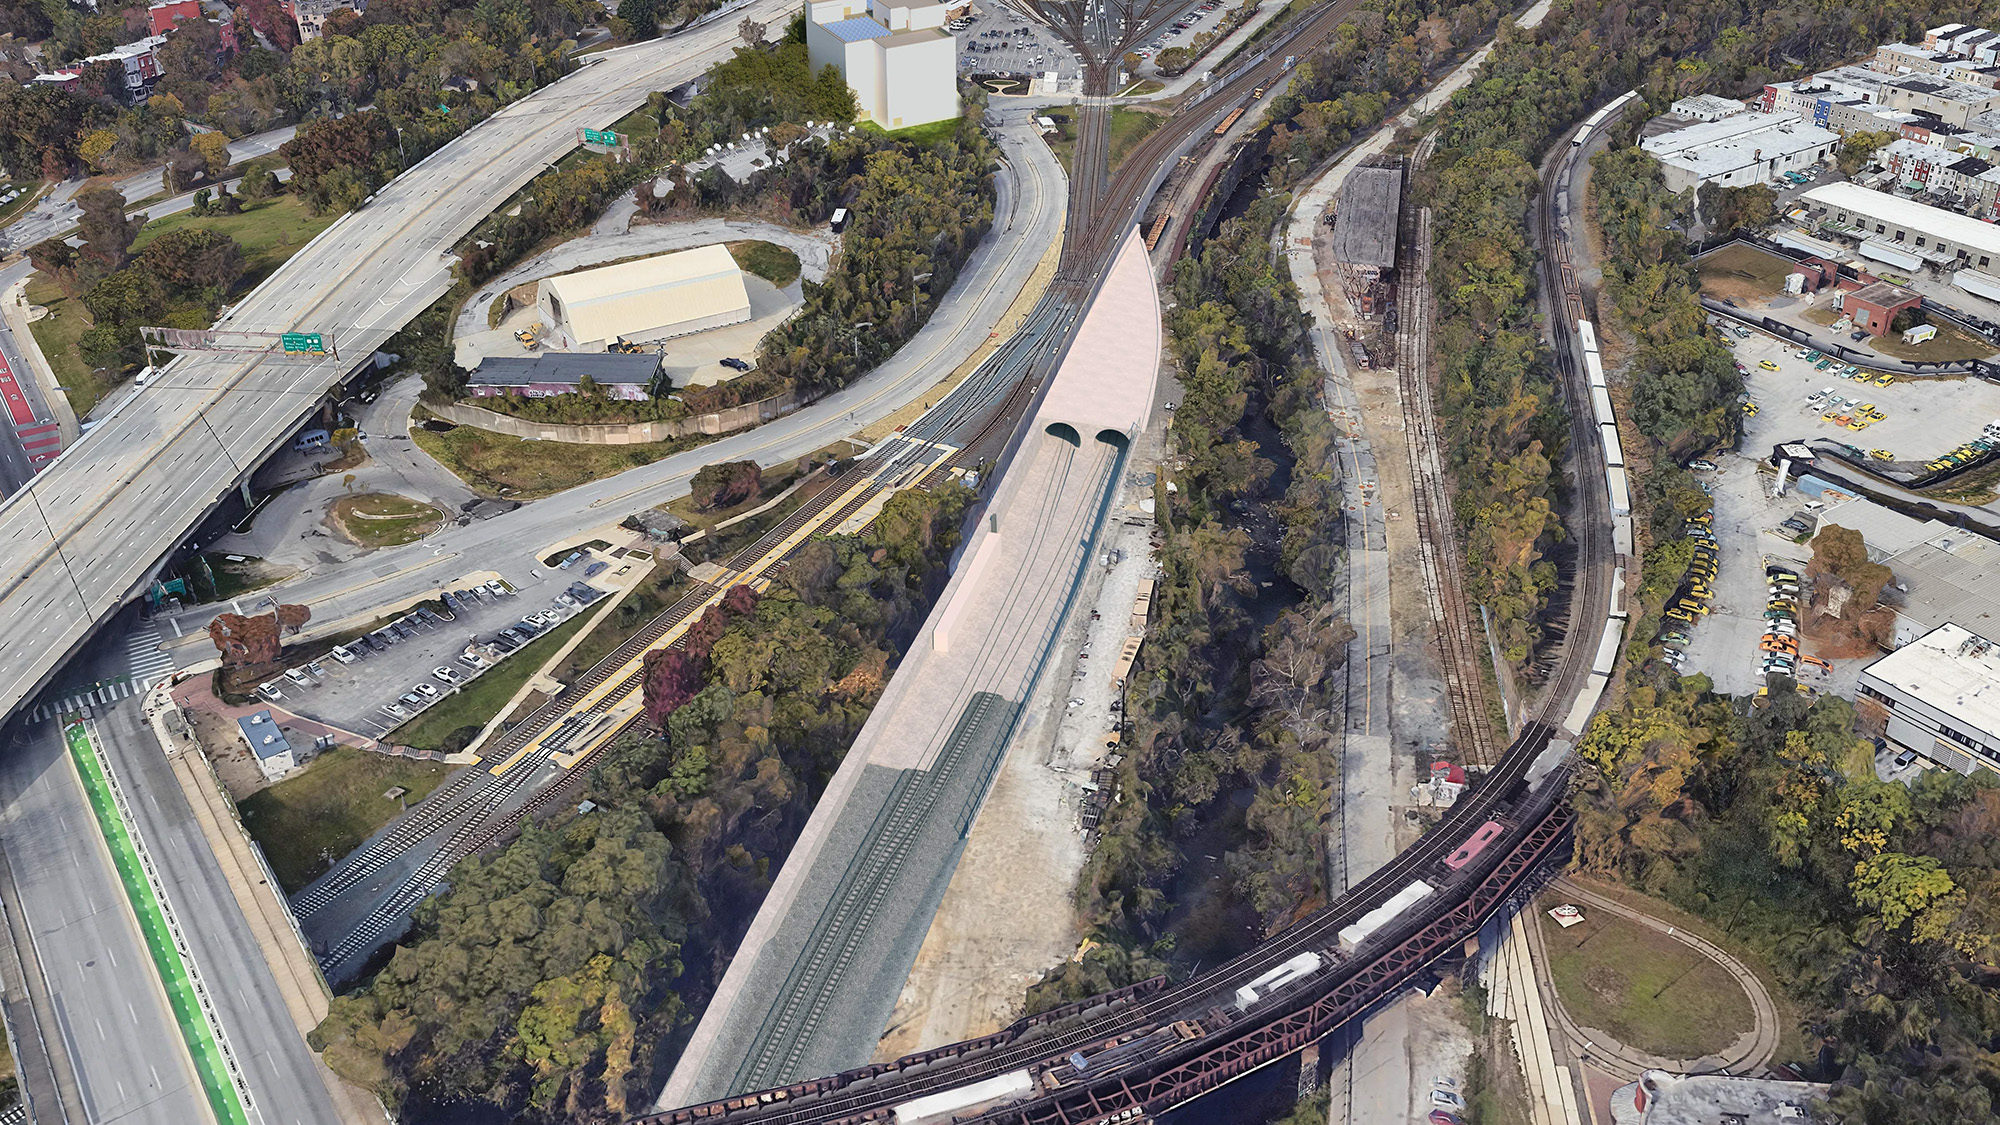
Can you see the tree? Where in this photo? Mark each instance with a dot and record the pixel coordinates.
(1857, 149)
(96, 147)
(725, 484)
(192, 258)
(213, 149)
(107, 233)
(642, 17)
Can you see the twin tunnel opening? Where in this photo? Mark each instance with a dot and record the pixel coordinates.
(1117, 439)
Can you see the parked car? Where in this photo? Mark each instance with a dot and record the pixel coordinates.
(341, 654)
(411, 700)
(735, 364)
(270, 691)
(446, 675)
(426, 690)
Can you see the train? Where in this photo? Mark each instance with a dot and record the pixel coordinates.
(1597, 119)
(1613, 450)
(1230, 120)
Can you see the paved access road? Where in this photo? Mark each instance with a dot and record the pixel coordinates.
(97, 520)
(1028, 220)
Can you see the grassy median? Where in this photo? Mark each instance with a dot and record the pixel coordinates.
(451, 722)
(498, 465)
(1643, 988)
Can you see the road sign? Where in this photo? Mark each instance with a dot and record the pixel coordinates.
(604, 137)
(309, 342)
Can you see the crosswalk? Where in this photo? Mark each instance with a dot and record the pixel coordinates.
(146, 664)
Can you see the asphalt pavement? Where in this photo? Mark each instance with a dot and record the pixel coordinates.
(97, 522)
(110, 1013)
(1028, 220)
(277, 1066)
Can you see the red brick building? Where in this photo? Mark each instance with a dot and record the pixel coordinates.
(1873, 308)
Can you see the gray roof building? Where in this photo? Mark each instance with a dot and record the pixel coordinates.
(1364, 233)
(605, 368)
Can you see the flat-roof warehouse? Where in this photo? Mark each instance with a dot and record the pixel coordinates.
(1941, 697)
(1929, 232)
(1364, 233)
(650, 299)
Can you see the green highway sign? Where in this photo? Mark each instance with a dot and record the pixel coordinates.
(296, 342)
(603, 137)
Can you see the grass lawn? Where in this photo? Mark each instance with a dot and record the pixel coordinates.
(922, 136)
(269, 230)
(1141, 87)
(56, 334)
(498, 465)
(1947, 346)
(1738, 271)
(1644, 988)
(1128, 128)
(379, 519)
(233, 579)
(481, 699)
(767, 260)
(305, 822)
(29, 193)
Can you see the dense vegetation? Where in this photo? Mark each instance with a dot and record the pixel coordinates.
(1234, 699)
(1875, 902)
(542, 984)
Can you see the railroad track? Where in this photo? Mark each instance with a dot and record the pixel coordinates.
(867, 1093)
(1437, 531)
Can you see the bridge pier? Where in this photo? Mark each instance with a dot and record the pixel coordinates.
(243, 487)
(1309, 1070)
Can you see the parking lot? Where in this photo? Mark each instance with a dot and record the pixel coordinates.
(1746, 519)
(997, 41)
(1922, 418)
(390, 677)
(1179, 30)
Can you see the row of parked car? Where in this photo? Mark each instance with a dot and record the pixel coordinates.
(1696, 591)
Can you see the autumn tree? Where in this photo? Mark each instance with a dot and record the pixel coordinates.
(725, 484)
(107, 233)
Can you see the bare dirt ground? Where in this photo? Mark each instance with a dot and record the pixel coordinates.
(1010, 913)
(225, 751)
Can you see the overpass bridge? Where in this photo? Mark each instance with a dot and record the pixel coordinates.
(90, 531)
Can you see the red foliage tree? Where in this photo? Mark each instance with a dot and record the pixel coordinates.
(671, 677)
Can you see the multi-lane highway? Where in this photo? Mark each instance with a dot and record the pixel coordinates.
(94, 524)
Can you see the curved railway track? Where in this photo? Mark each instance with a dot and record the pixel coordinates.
(1536, 810)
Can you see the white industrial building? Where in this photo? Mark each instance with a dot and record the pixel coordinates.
(1706, 107)
(268, 745)
(1739, 150)
(650, 299)
(1918, 229)
(1951, 577)
(1941, 698)
(895, 54)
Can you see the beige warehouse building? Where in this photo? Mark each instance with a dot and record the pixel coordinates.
(651, 299)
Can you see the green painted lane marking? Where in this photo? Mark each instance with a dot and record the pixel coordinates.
(202, 1046)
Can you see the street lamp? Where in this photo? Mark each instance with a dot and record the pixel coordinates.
(857, 337)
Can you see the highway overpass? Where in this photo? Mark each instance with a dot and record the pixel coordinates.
(88, 532)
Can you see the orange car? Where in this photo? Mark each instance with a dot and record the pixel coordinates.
(1815, 661)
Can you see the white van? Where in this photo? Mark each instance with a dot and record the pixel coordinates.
(144, 374)
(311, 440)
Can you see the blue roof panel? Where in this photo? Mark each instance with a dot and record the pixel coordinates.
(856, 29)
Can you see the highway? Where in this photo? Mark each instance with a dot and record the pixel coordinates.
(103, 1013)
(1029, 216)
(90, 529)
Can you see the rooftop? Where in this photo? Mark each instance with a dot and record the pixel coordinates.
(1365, 230)
(264, 736)
(1945, 90)
(638, 368)
(1954, 577)
(1741, 152)
(857, 28)
(1106, 379)
(1708, 103)
(1884, 294)
(1703, 133)
(1951, 669)
(1948, 225)
(1886, 531)
(1660, 1098)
